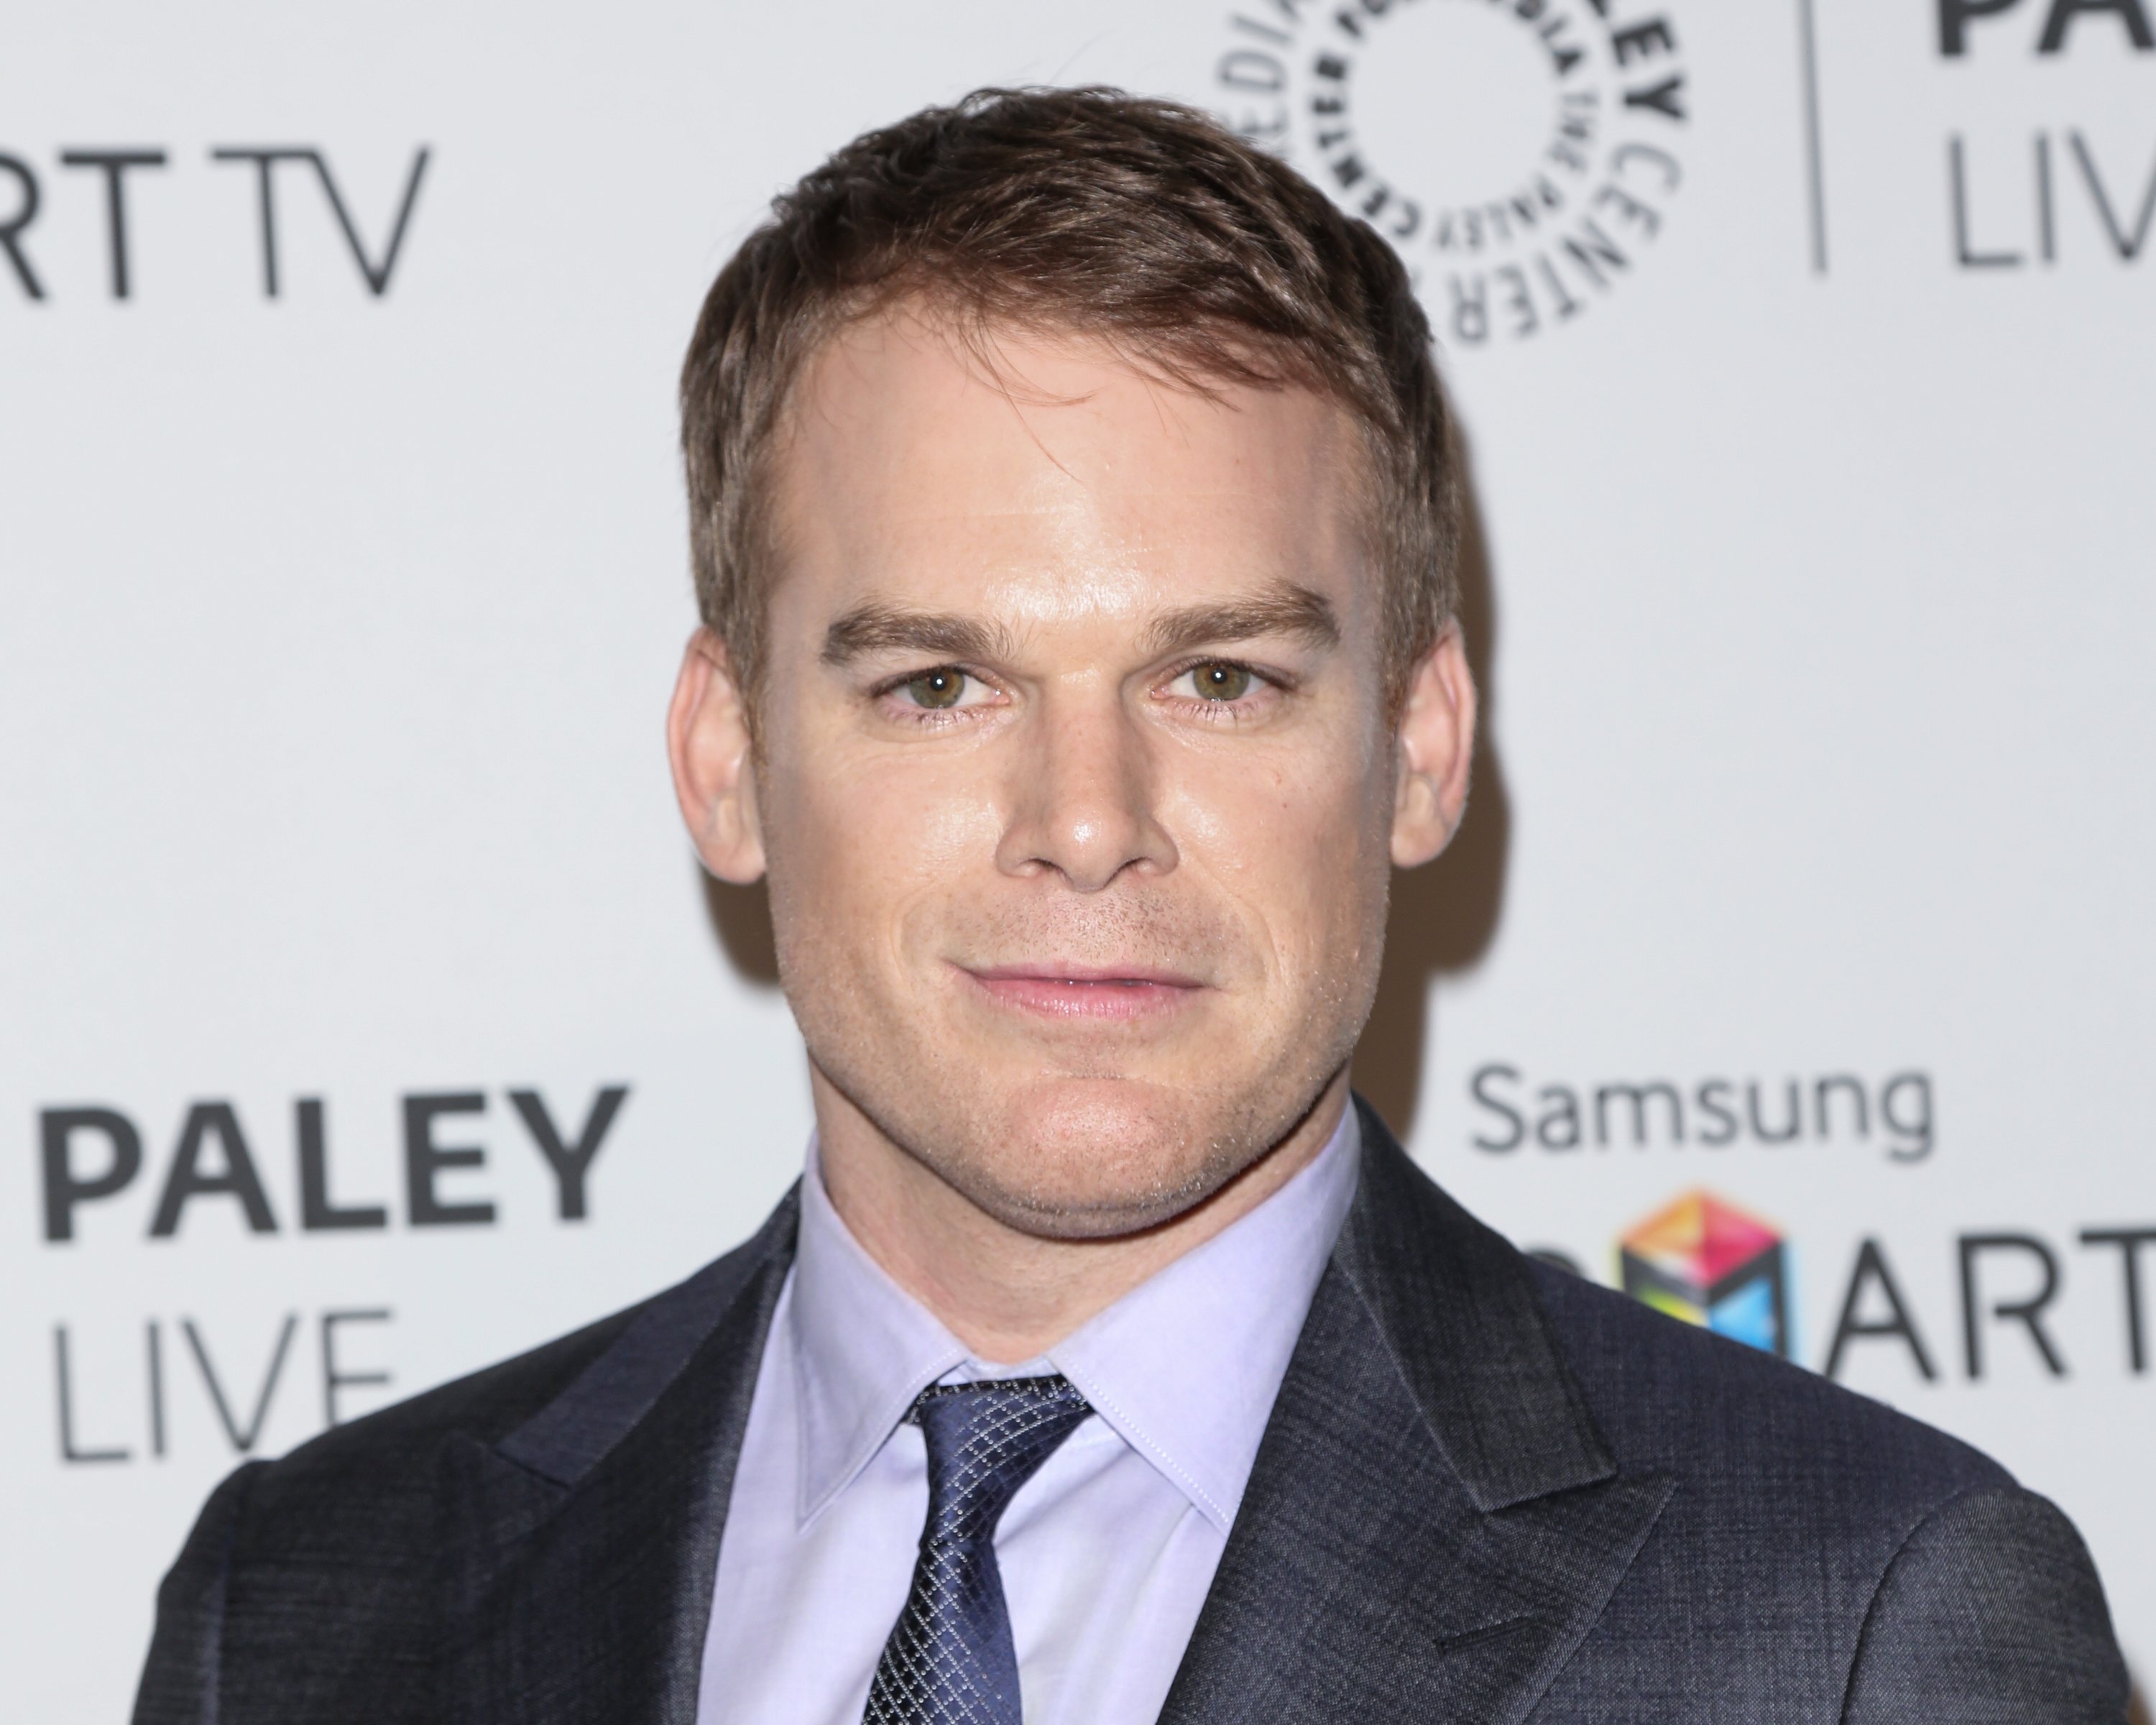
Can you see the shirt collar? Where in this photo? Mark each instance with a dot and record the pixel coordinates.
(863, 1348)
(1184, 1367)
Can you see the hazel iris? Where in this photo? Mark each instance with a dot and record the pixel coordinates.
(1221, 682)
(938, 688)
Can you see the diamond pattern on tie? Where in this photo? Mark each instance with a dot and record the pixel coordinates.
(950, 1660)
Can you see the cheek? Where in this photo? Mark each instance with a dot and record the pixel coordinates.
(1291, 839)
(874, 845)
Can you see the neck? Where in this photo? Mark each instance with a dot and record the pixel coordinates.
(1010, 1295)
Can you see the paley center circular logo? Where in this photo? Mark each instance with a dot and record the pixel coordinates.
(1521, 155)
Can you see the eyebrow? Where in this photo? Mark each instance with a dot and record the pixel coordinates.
(876, 627)
(1284, 608)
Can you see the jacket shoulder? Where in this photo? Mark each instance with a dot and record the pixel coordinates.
(1850, 1561)
(325, 1568)
(340, 1535)
(485, 1406)
(1991, 1608)
(1671, 1396)
(622, 1361)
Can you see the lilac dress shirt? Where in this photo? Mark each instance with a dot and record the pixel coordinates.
(1106, 1554)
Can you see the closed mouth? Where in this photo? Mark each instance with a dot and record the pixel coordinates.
(1111, 992)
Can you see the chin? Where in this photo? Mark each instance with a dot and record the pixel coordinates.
(1090, 1158)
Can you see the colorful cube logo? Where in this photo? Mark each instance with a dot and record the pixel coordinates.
(1708, 1263)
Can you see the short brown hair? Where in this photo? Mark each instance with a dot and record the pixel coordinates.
(1088, 212)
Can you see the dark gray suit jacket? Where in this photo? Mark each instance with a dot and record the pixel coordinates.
(1489, 1492)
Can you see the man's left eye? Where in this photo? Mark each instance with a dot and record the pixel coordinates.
(945, 687)
(1214, 680)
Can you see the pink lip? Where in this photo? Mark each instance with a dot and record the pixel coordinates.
(1081, 991)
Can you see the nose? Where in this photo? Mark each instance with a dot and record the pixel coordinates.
(1082, 796)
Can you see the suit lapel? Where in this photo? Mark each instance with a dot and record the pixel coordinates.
(588, 1538)
(1434, 1521)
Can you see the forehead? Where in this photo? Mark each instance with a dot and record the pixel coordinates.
(1025, 472)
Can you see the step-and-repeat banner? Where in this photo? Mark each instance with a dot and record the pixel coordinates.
(364, 1017)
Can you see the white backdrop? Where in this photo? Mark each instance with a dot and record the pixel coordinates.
(1811, 429)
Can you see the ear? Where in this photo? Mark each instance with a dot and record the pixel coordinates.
(1437, 748)
(707, 739)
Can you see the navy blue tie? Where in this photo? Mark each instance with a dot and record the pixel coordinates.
(950, 1660)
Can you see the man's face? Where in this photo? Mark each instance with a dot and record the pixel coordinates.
(1074, 775)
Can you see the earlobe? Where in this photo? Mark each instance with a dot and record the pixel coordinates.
(1437, 748)
(708, 743)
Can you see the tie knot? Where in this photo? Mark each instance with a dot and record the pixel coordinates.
(985, 1440)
